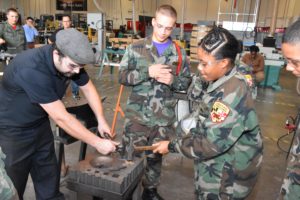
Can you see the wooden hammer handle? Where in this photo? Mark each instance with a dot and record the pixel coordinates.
(144, 148)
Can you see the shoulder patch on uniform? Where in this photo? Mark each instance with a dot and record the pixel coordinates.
(219, 112)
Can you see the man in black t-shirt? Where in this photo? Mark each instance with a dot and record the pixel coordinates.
(31, 91)
(66, 23)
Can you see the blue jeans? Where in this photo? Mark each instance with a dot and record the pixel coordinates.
(75, 88)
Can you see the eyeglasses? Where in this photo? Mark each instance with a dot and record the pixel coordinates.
(294, 63)
(159, 26)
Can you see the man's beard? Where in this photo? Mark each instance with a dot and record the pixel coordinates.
(68, 74)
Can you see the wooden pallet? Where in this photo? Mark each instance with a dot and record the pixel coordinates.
(198, 33)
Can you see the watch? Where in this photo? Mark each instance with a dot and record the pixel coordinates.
(171, 146)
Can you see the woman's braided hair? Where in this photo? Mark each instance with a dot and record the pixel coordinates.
(220, 43)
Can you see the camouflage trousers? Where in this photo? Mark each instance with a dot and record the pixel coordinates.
(7, 189)
(217, 179)
(144, 136)
(290, 190)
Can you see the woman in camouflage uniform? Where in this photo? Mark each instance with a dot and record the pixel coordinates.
(225, 141)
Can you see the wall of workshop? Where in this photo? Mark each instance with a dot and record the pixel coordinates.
(33, 8)
(121, 10)
(296, 11)
(288, 11)
(196, 10)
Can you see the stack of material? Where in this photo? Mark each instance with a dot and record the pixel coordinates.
(198, 33)
(115, 180)
(121, 43)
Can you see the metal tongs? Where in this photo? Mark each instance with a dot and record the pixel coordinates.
(105, 135)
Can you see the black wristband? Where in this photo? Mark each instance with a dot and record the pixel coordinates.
(171, 146)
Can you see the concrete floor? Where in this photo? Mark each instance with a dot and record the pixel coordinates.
(177, 178)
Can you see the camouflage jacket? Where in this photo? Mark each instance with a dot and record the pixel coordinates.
(15, 40)
(226, 124)
(151, 103)
(7, 189)
(291, 184)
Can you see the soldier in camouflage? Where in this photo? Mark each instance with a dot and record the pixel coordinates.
(290, 189)
(225, 141)
(7, 189)
(150, 68)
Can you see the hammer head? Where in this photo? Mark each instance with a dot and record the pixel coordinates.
(130, 150)
(133, 148)
(126, 150)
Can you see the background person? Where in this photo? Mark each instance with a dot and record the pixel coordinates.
(225, 141)
(257, 62)
(30, 32)
(31, 92)
(66, 23)
(148, 68)
(11, 33)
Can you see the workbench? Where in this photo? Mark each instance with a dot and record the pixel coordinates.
(107, 62)
(272, 71)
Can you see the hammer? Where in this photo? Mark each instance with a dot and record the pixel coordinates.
(131, 148)
(144, 148)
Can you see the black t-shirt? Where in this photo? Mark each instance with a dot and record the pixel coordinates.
(52, 37)
(29, 80)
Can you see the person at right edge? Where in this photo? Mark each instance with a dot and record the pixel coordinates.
(148, 67)
(290, 189)
(225, 141)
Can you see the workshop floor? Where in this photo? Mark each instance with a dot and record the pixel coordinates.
(177, 178)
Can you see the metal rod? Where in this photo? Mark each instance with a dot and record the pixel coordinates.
(244, 10)
(219, 13)
(274, 15)
(285, 14)
(231, 10)
(206, 10)
(182, 20)
(256, 11)
(133, 17)
(236, 14)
